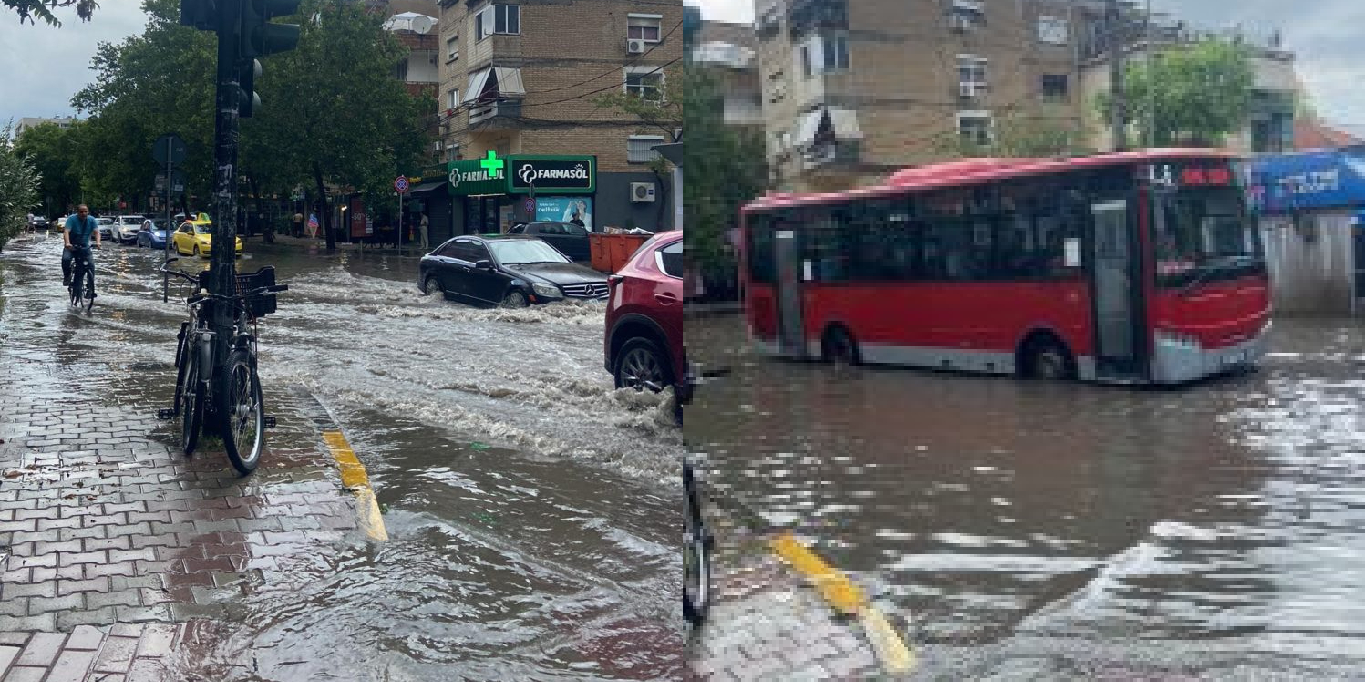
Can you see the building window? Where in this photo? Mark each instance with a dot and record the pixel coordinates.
(971, 75)
(974, 127)
(497, 19)
(644, 27)
(645, 82)
(967, 14)
(640, 148)
(452, 48)
(1054, 87)
(823, 54)
(402, 70)
(1053, 30)
(453, 98)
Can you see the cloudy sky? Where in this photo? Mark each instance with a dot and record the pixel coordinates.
(1327, 35)
(43, 66)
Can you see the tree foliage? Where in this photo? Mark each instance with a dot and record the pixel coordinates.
(1020, 134)
(18, 187)
(1195, 94)
(52, 152)
(29, 10)
(724, 166)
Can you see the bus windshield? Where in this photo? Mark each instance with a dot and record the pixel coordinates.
(1204, 235)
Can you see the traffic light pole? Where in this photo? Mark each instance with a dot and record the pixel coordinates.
(222, 251)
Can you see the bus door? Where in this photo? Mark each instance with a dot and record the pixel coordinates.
(1117, 284)
(791, 333)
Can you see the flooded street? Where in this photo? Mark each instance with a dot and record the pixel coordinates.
(529, 507)
(1035, 530)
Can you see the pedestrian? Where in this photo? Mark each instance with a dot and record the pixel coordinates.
(422, 226)
(298, 225)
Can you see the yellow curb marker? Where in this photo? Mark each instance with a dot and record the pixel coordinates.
(846, 598)
(354, 479)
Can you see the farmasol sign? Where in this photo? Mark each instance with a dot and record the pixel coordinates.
(553, 174)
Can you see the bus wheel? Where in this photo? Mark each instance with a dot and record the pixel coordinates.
(839, 348)
(1048, 360)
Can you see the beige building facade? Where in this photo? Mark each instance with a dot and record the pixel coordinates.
(518, 80)
(855, 89)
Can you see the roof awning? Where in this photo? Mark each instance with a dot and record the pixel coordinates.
(509, 82)
(672, 151)
(808, 127)
(428, 187)
(477, 82)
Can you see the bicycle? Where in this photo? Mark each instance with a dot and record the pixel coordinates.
(230, 399)
(697, 545)
(82, 286)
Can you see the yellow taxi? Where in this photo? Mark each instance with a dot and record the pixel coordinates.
(195, 237)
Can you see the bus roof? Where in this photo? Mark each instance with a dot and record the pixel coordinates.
(969, 172)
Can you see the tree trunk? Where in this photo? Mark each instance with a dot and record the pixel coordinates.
(267, 227)
(326, 215)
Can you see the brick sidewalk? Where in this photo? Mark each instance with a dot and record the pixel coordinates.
(103, 522)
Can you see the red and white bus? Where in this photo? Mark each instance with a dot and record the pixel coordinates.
(1133, 267)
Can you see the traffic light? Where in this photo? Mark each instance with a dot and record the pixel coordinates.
(201, 14)
(261, 37)
(246, 80)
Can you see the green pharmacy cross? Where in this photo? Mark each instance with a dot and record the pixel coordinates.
(493, 164)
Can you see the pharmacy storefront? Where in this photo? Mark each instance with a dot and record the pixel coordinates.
(494, 193)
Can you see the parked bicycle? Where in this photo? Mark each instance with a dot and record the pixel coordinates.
(697, 546)
(228, 401)
(82, 286)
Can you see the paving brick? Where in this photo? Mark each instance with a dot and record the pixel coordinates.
(142, 614)
(47, 588)
(71, 558)
(42, 649)
(121, 542)
(85, 638)
(26, 675)
(65, 587)
(146, 670)
(102, 616)
(157, 640)
(124, 568)
(7, 656)
(116, 656)
(71, 666)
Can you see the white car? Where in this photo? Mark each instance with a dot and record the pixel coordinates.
(128, 226)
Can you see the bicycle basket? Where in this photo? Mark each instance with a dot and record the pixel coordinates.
(258, 304)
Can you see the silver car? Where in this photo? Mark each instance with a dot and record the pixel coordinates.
(106, 227)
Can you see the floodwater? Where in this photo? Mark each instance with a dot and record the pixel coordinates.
(529, 506)
(1032, 530)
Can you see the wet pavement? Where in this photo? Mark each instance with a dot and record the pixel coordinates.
(1029, 530)
(531, 525)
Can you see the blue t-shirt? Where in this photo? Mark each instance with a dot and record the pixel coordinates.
(80, 234)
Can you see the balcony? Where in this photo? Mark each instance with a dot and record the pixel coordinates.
(832, 155)
(808, 16)
(498, 114)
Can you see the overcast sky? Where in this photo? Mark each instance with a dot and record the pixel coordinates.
(1328, 37)
(43, 66)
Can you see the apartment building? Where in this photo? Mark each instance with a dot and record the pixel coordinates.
(26, 123)
(854, 89)
(522, 136)
(728, 50)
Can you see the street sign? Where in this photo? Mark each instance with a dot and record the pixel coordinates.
(169, 149)
(530, 206)
(177, 182)
(401, 184)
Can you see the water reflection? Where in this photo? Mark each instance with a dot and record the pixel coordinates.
(986, 509)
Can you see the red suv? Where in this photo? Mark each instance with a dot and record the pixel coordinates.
(644, 332)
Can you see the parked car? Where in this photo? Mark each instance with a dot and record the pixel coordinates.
(152, 234)
(509, 270)
(195, 238)
(59, 223)
(106, 227)
(643, 344)
(127, 227)
(39, 223)
(570, 239)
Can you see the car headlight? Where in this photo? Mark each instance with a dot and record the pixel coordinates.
(547, 290)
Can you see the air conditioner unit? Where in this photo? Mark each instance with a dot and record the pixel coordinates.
(966, 90)
(642, 192)
(635, 46)
(438, 145)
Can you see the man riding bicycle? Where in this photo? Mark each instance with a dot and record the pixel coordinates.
(76, 239)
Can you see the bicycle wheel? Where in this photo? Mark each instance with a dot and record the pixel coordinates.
(190, 397)
(181, 350)
(241, 417)
(76, 286)
(89, 288)
(696, 554)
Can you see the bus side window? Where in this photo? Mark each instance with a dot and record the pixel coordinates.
(761, 256)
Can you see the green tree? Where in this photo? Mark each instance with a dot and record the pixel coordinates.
(724, 167)
(18, 188)
(53, 153)
(1194, 94)
(28, 10)
(662, 114)
(1020, 134)
(333, 110)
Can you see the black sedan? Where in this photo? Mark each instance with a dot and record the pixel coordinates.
(508, 270)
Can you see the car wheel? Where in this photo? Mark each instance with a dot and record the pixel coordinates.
(1049, 361)
(195, 251)
(642, 364)
(515, 299)
(432, 285)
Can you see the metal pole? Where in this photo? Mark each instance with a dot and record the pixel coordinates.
(222, 279)
(1119, 105)
(400, 222)
(166, 278)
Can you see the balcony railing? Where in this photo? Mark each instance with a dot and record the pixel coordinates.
(496, 114)
(807, 16)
